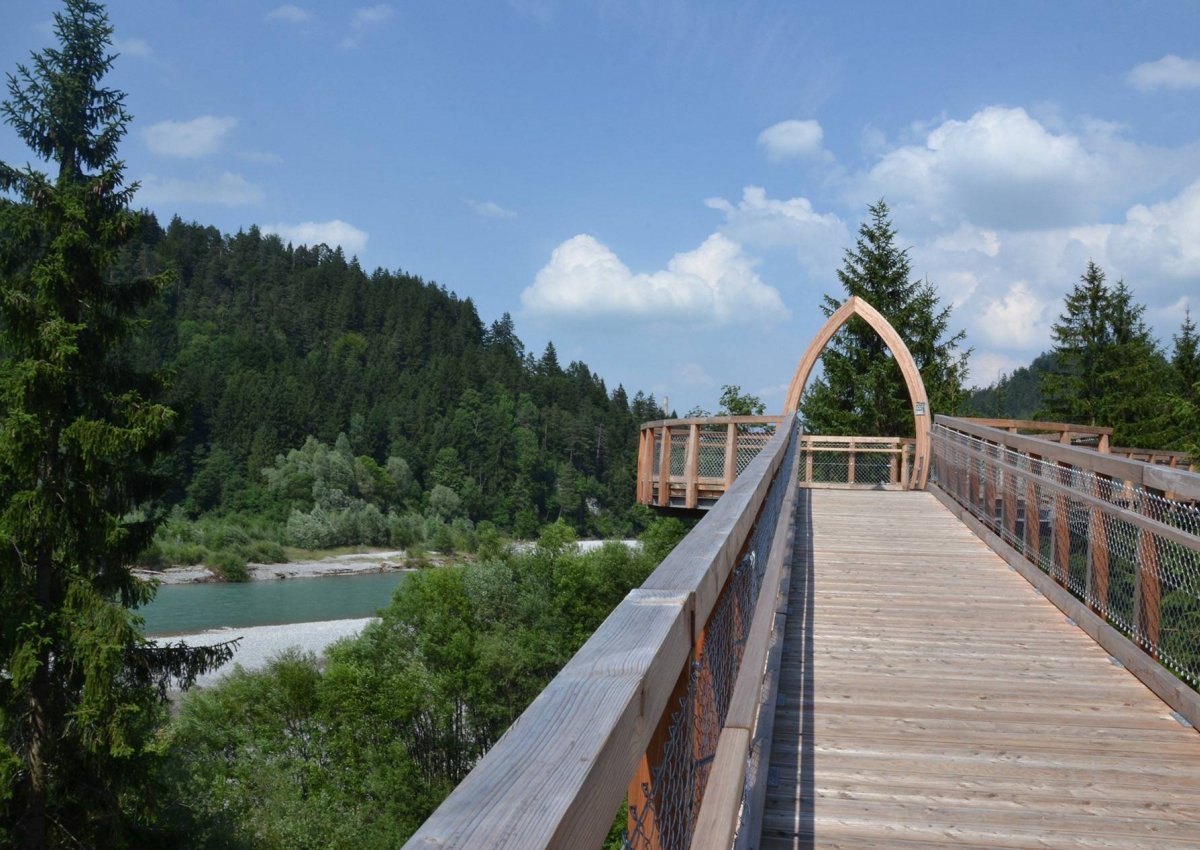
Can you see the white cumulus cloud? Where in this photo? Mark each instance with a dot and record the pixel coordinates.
(490, 209)
(1016, 320)
(711, 285)
(366, 19)
(793, 140)
(999, 168)
(792, 223)
(1163, 239)
(189, 139)
(289, 13)
(1170, 72)
(134, 47)
(335, 232)
(224, 189)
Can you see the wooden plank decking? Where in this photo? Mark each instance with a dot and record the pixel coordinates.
(929, 697)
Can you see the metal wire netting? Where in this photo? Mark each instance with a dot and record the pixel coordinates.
(1131, 555)
(679, 441)
(712, 452)
(679, 777)
(834, 467)
(749, 444)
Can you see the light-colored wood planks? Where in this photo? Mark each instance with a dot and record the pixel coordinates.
(930, 697)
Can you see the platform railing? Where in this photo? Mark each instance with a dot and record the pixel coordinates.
(689, 463)
(1121, 536)
(652, 701)
(856, 462)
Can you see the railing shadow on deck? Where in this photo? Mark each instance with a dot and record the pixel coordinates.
(663, 674)
(1115, 543)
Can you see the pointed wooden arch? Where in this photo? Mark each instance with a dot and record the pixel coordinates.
(856, 306)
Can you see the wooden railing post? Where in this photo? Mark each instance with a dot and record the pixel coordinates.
(972, 482)
(989, 487)
(1147, 590)
(646, 466)
(731, 436)
(664, 468)
(904, 466)
(1033, 514)
(1097, 553)
(1061, 531)
(1008, 499)
(691, 468)
(808, 460)
(850, 463)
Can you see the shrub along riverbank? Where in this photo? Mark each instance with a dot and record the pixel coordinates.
(358, 751)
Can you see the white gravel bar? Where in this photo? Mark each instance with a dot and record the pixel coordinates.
(260, 643)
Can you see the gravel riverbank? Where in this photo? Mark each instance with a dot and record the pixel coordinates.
(259, 643)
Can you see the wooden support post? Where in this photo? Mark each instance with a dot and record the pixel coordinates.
(731, 436)
(1060, 535)
(989, 488)
(664, 468)
(1008, 502)
(1097, 560)
(691, 468)
(1147, 589)
(904, 483)
(808, 460)
(1103, 447)
(850, 463)
(972, 482)
(894, 465)
(646, 467)
(643, 797)
(1033, 516)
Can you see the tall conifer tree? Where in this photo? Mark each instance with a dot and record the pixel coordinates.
(1108, 369)
(862, 391)
(80, 689)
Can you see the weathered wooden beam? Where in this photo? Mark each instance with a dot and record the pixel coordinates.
(556, 778)
(664, 468)
(1185, 484)
(691, 468)
(731, 436)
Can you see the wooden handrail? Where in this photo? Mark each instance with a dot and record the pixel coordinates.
(724, 796)
(997, 481)
(557, 776)
(1138, 473)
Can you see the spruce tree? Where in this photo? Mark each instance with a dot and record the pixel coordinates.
(861, 390)
(1108, 369)
(81, 690)
(1186, 359)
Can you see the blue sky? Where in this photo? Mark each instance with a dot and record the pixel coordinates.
(665, 189)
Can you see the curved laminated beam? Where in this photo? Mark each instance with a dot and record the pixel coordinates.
(856, 306)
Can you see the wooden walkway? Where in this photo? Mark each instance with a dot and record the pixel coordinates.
(930, 697)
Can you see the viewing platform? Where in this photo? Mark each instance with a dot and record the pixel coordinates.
(986, 636)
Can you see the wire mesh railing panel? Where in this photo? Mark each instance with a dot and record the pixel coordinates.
(679, 441)
(712, 452)
(1132, 555)
(749, 445)
(829, 467)
(678, 778)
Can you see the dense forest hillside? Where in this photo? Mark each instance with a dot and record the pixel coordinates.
(1015, 395)
(266, 345)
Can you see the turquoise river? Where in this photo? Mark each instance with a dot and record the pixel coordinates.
(186, 608)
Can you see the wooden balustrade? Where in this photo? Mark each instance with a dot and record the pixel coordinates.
(689, 463)
(558, 775)
(1123, 540)
(697, 458)
(854, 462)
